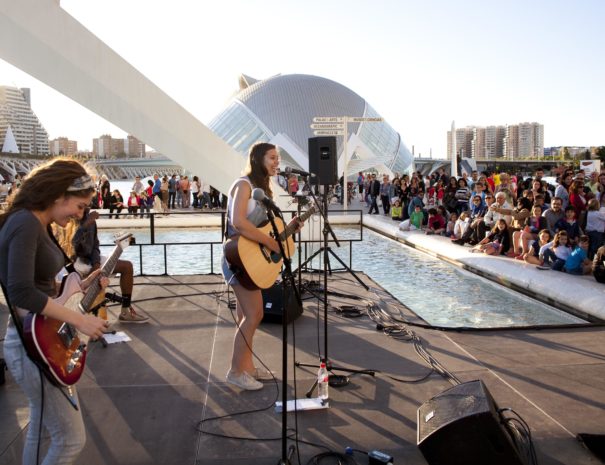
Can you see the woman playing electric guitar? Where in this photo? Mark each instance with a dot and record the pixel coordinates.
(244, 215)
(29, 261)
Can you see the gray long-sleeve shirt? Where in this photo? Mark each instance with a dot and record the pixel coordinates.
(29, 261)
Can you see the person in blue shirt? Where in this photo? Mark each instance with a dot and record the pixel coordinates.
(157, 184)
(578, 262)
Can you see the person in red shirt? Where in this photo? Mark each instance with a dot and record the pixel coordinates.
(436, 222)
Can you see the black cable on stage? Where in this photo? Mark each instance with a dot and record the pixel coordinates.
(520, 433)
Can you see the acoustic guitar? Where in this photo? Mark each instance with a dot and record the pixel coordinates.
(256, 266)
(58, 345)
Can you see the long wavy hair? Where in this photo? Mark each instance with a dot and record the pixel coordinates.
(255, 168)
(45, 184)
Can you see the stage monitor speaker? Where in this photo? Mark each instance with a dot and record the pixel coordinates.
(323, 160)
(273, 304)
(462, 426)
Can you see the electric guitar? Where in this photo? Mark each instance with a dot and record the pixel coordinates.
(56, 344)
(257, 266)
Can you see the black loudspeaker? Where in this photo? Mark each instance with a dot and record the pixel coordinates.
(462, 426)
(273, 304)
(323, 160)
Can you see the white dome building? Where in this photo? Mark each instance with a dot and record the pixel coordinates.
(281, 109)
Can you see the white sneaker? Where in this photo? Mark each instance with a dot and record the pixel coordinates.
(262, 374)
(244, 381)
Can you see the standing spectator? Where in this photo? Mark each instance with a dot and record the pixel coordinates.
(138, 186)
(105, 190)
(292, 184)
(172, 191)
(595, 226)
(374, 192)
(205, 194)
(385, 188)
(185, 186)
(396, 211)
(577, 199)
(164, 193)
(195, 190)
(157, 186)
(360, 184)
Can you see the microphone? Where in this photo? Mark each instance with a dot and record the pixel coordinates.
(289, 170)
(259, 195)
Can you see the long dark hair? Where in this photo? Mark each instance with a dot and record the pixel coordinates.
(45, 184)
(255, 169)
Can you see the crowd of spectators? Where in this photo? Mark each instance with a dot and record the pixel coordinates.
(555, 227)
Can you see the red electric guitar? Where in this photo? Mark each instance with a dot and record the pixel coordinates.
(58, 345)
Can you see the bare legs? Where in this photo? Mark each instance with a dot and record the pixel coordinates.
(249, 315)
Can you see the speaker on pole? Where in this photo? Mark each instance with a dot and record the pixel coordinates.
(462, 426)
(323, 160)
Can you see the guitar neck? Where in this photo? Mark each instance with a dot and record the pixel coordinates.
(93, 290)
(289, 230)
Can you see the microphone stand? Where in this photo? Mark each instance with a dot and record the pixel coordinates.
(286, 275)
(334, 380)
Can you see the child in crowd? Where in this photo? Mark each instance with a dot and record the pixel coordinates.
(595, 226)
(533, 255)
(497, 241)
(415, 220)
(556, 253)
(396, 211)
(449, 228)
(569, 224)
(460, 225)
(578, 262)
(529, 233)
(436, 222)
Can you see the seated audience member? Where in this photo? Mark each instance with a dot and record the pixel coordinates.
(88, 258)
(436, 223)
(116, 202)
(476, 218)
(529, 232)
(497, 241)
(598, 265)
(415, 220)
(578, 262)
(570, 226)
(133, 204)
(554, 214)
(461, 225)
(595, 226)
(556, 253)
(532, 256)
(451, 223)
(396, 211)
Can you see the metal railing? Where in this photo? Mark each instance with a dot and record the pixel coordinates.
(172, 251)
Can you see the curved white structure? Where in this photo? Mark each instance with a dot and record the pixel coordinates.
(34, 33)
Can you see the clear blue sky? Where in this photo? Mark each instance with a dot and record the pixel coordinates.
(420, 64)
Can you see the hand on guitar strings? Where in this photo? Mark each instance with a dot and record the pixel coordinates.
(92, 277)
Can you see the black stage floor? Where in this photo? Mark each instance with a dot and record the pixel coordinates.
(143, 400)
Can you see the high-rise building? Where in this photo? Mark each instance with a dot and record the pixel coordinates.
(514, 141)
(107, 147)
(16, 112)
(62, 146)
(133, 147)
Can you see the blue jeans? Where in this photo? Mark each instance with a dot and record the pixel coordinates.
(63, 423)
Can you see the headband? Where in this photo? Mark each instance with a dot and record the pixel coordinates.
(82, 183)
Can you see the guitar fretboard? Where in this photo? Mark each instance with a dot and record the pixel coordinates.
(93, 290)
(289, 230)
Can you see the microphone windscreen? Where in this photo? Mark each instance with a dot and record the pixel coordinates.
(258, 194)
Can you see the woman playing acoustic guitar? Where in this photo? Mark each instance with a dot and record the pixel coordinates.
(244, 215)
(29, 261)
